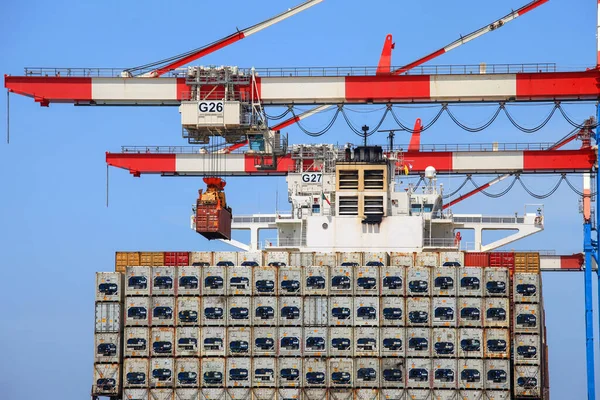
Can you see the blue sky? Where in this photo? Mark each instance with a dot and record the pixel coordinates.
(57, 232)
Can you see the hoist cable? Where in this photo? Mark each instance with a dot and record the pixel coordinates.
(529, 130)
(473, 130)
(457, 190)
(542, 196)
(322, 131)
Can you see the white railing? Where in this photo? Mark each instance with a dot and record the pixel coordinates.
(282, 242)
(441, 243)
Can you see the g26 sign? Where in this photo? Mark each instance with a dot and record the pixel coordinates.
(210, 106)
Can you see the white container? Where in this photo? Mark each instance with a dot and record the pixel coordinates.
(471, 395)
(212, 393)
(265, 311)
(161, 394)
(392, 280)
(264, 372)
(393, 342)
(528, 381)
(497, 374)
(108, 317)
(402, 259)
(452, 257)
(214, 311)
(316, 280)
(443, 311)
(418, 394)
(366, 372)
(496, 282)
(212, 369)
(302, 259)
(391, 394)
(239, 393)
(443, 342)
(250, 256)
(214, 281)
(527, 318)
(239, 342)
(107, 348)
(290, 281)
(239, 372)
(162, 372)
(470, 312)
(341, 311)
(239, 311)
(213, 341)
(497, 343)
(291, 393)
(137, 311)
(187, 372)
(107, 380)
(290, 372)
(366, 341)
(418, 311)
(277, 258)
(264, 341)
(265, 281)
(418, 372)
(163, 311)
(109, 286)
(138, 281)
(201, 258)
(376, 257)
(189, 312)
(163, 281)
(290, 341)
(315, 372)
(187, 394)
(188, 281)
(444, 394)
(136, 342)
(527, 349)
(136, 394)
(366, 394)
(496, 312)
(470, 343)
(392, 311)
(498, 395)
(470, 281)
(341, 342)
(263, 393)
(326, 259)
(366, 280)
(418, 342)
(341, 279)
(366, 311)
(290, 311)
(225, 256)
(418, 281)
(341, 371)
(427, 259)
(444, 281)
(526, 288)
(471, 373)
(188, 341)
(239, 281)
(315, 341)
(316, 311)
(350, 257)
(392, 372)
(445, 373)
(162, 341)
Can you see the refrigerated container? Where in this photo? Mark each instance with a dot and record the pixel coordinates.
(162, 372)
(528, 381)
(340, 280)
(107, 380)
(392, 372)
(302, 259)
(392, 342)
(366, 394)
(444, 281)
(418, 342)
(201, 258)
(366, 341)
(444, 394)
(225, 257)
(418, 372)
(265, 281)
(108, 317)
(214, 311)
(316, 280)
(496, 282)
(239, 311)
(187, 372)
(392, 394)
(366, 280)
(392, 280)
(418, 281)
(497, 395)
(316, 311)
(239, 280)
(470, 312)
(341, 394)
(527, 318)
(239, 370)
(123, 259)
(214, 280)
(264, 372)
(107, 347)
(443, 311)
(341, 371)
(189, 312)
(212, 393)
(290, 281)
(163, 311)
(452, 257)
(496, 343)
(402, 259)
(497, 374)
(526, 288)
(443, 342)
(262, 393)
(163, 281)
(315, 372)
(161, 394)
(188, 341)
(188, 281)
(427, 259)
(470, 343)
(471, 394)
(136, 342)
(366, 311)
(265, 310)
(355, 258)
(496, 312)
(366, 372)
(290, 341)
(418, 311)
(213, 341)
(136, 394)
(239, 341)
(392, 311)
(152, 259)
(277, 258)
(250, 257)
(137, 311)
(290, 372)
(377, 257)
(264, 341)
(445, 373)
(308, 394)
(471, 373)
(109, 286)
(527, 349)
(325, 259)
(162, 341)
(187, 394)
(290, 393)
(341, 311)
(290, 311)
(138, 281)
(341, 342)
(418, 394)
(470, 282)
(213, 374)
(315, 341)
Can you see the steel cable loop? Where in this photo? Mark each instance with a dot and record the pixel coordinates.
(542, 196)
(322, 131)
(530, 130)
(574, 189)
(424, 128)
(283, 114)
(360, 133)
(494, 195)
(576, 125)
(457, 190)
(474, 130)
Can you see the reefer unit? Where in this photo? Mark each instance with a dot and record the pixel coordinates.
(527, 349)
(366, 311)
(528, 381)
(213, 281)
(265, 310)
(188, 341)
(315, 372)
(443, 342)
(315, 341)
(341, 280)
(392, 372)
(213, 341)
(355, 258)
(427, 259)
(392, 280)
(187, 372)
(188, 311)
(366, 341)
(290, 372)
(444, 280)
(496, 282)
(239, 281)
(470, 281)
(201, 258)
(264, 372)
(290, 311)
(496, 312)
(341, 342)
(264, 341)
(290, 281)
(239, 372)
(188, 280)
(392, 342)
(366, 280)
(265, 281)
(136, 342)
(225, 257)
(109, 286)
(107, 380)
(138, 281)
(340, 311)
(443, 311)
(163, 281)
(366, 372)
(246, 257)
(214, 310)
(497, 374)
(135, 372)
(108, 317)
(418, 311)
(325, 259)
(470, 343)
(162, 341)
(497, 343)
(418, 342)
(471, 373)
(527, 318)
(526, 288)
(163, 311)
(470, 312)
(392, 311)
(452, 257)
(418, 281)
(341, 371)
(162, 372)
(213, 372)
(418, 372)
(107, 347)
(239, 341)
(316, 311)
(302, 259)
(377, 257)
(316, 280)
(290, 341)
(445, 373)
(277, 258)
(239, 311)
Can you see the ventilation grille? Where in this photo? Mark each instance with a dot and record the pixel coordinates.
(348, 205)
(373, 205)
(348, 179)
(374, 179)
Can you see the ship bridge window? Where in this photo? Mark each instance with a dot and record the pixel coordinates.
(415, 208)
(427, 207)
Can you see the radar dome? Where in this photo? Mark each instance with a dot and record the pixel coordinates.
(430, 172)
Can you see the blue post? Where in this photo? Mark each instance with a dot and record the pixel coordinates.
(589, 316)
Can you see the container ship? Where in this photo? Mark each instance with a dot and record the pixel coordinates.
(365, 294)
